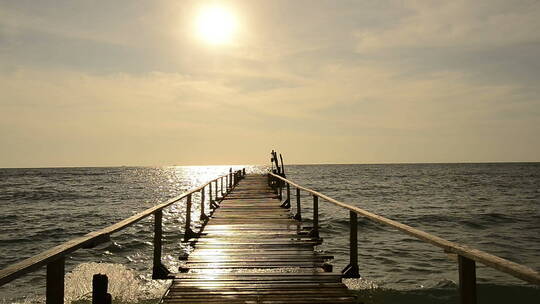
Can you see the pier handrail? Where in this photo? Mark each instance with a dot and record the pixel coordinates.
(466, 255)
(54, 258)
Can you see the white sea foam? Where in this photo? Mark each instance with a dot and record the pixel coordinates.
(360, 284)
(124, 284)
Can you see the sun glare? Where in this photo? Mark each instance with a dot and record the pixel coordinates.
(216, 25)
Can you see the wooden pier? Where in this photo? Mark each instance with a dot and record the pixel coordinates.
(250, 248)
(253, 251)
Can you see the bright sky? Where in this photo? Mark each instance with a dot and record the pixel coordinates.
(136, 82)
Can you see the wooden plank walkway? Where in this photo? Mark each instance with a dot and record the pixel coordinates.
(252, 251)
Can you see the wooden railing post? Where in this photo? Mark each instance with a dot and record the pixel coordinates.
(210, 193)
(221, 186)
(467, 280)
(203, 216)
(188, 233)
(55, 281)
(213, 204)
(352, 270)
(298, 215)
(230, 178)
(287, 202)
(289, 193)
(158, 270)
(315, 231)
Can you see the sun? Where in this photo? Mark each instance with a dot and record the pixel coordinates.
(216, 25)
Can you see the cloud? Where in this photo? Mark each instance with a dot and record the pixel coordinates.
(458, 24)
(343, 81)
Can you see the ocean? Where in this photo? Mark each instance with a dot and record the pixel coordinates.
(494, 207)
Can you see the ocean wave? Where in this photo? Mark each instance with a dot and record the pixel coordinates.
(41, 208)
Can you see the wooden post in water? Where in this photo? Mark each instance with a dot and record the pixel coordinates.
(100, 284)
(188, 233)
(55, 281)
(467, 280)
(315, 231)
(298, 215)
(352, 270)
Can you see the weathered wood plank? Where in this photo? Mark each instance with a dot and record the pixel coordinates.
(249, 232)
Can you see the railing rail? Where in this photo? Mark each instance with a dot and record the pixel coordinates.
(467, 256)
(54, 258)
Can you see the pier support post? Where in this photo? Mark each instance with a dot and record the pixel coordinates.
(159, 271)
(467, 280)
(298, 215)
(188, 233)
(55, 282)
(315, 231)
(352, 271)
(100, 295)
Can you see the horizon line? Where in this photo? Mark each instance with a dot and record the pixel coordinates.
(294, 164)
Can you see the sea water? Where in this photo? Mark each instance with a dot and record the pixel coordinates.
(492, 207)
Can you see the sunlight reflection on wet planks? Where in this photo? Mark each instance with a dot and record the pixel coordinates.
(252, 251)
